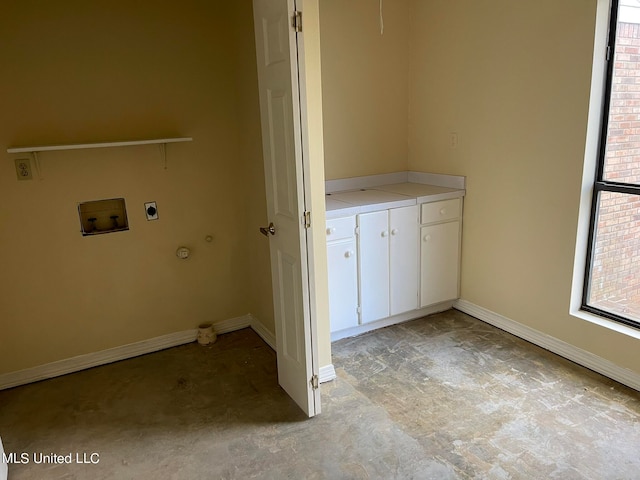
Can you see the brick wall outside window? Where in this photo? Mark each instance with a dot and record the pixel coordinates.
(615, 280)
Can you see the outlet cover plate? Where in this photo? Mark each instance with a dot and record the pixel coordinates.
(23, 169)
(151, 210)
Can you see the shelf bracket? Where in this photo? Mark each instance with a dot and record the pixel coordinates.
(36, 161)
(163, 154)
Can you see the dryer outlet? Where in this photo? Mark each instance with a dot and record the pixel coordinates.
(151, 210)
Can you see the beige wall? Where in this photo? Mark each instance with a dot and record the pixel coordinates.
(512, 79)
(365, 78)
(117, 70)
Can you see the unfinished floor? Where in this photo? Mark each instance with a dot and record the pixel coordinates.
(447, 396)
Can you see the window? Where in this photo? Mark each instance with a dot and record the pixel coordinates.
(612, 280)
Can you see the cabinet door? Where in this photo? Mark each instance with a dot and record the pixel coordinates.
(343, 284)
(403, 259)
(439, 262)
(373, 256)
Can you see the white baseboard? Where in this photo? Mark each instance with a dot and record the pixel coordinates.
(261, 330)
(385, 322)
(327, 373)
(245, 321)
(566, 350)
(82, 362)
(233, 324)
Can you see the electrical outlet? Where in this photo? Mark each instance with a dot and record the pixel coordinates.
(23, 169)
(453, 139)
(151, 210)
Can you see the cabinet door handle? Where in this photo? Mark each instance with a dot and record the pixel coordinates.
(394, 231)
(443, 211)
(427, 238)
(385, 233)
(331, 230)
(348, 254)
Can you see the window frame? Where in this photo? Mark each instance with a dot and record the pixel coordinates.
(600, 185)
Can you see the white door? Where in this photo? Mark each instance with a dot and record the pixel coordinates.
(277, 54)
(373, 265)
(403, 259)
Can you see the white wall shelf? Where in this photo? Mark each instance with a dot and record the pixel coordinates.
(49, 148)
(161, 142)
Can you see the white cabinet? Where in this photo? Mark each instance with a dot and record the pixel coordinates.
(373, 262)
(403, 259)
(439, 251)
(388, 262)
(343, 273)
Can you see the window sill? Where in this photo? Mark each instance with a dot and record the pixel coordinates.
(606, 323)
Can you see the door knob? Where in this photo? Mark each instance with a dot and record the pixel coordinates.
(268, 230)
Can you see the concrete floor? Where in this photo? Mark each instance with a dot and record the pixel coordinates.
(442, 397)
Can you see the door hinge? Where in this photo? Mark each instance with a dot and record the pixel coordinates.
(297, 21)
(608, 52)
(356, 230)
(306, 219)
(315, 382)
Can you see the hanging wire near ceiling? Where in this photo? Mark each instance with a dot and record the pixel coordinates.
(381, 20)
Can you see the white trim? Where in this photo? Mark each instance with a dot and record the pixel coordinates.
(3, 464)
(233, 324)
(305, 66)
(566, 350)
(629, 11)
(386, 322)
(606, 323)
(594, 124)
(327, 373)
(89, 360)
(263, 332)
